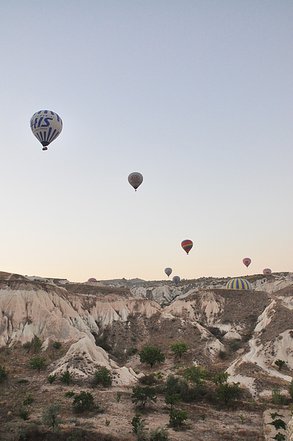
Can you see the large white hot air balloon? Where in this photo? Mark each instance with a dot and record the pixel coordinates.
(135, 179)
(46, 126)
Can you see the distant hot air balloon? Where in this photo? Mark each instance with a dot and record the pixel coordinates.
(187, 245)
(168, 271)
(92, 279)
(267, 272)
(46, 126)
(246, 261)
(176, 280)
(135, 179)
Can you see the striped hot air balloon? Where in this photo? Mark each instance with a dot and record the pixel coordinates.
(46, 126)
(238, 283)
(187, 245)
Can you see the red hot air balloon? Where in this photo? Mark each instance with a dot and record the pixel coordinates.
(187, 245)
(267, 272)
(246, 261)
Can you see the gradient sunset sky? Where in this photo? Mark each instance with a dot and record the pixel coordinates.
(195, 95)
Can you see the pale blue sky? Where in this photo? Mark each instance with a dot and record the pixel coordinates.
(195, 95)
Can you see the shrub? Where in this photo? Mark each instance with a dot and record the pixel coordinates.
(291, 389)
(228, 393)
(66, 378)
(139, 428)
(51, 417)
(51, 378)
(151, 355)
(277, 397)
(141, 395)
(172, 399)
(179, 348)
(24, 414)
(3, 374)
(37, 363)
(56, 345)
(177, 417)
(34, 345)
(69, 394)
(195, 374)
(102, 377)
(280, 364)
(234, 345)
(148, 380)
(28, 400)
(83, 402)
(220, 378)
(159, 434)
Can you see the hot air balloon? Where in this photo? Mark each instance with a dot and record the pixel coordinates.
(246, 261)
(46, 126)
(176, 280)
(238, 283)
(92, 279)
(168, 271)
(267, 272)
(135, 179)
(187, 245)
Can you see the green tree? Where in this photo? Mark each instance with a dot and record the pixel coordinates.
(177, 417)
(83, 402)
(37, 363)
(279, 424)
(66, 378)
(51, 417)
(139, 428)
(151, 355)
(228, 393)
(195, 374)
(179, 348)
(280, 364)
(3, 374)
(141, 395)
(172, 399)
(103, 377)
(220, 378)
(279, 437)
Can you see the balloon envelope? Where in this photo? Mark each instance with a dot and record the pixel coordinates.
(246, 261)
(46, 126)
(176, 280)
(187, 245)
(238, 283)
(267, 272)
(135, 179)
(168, 271)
